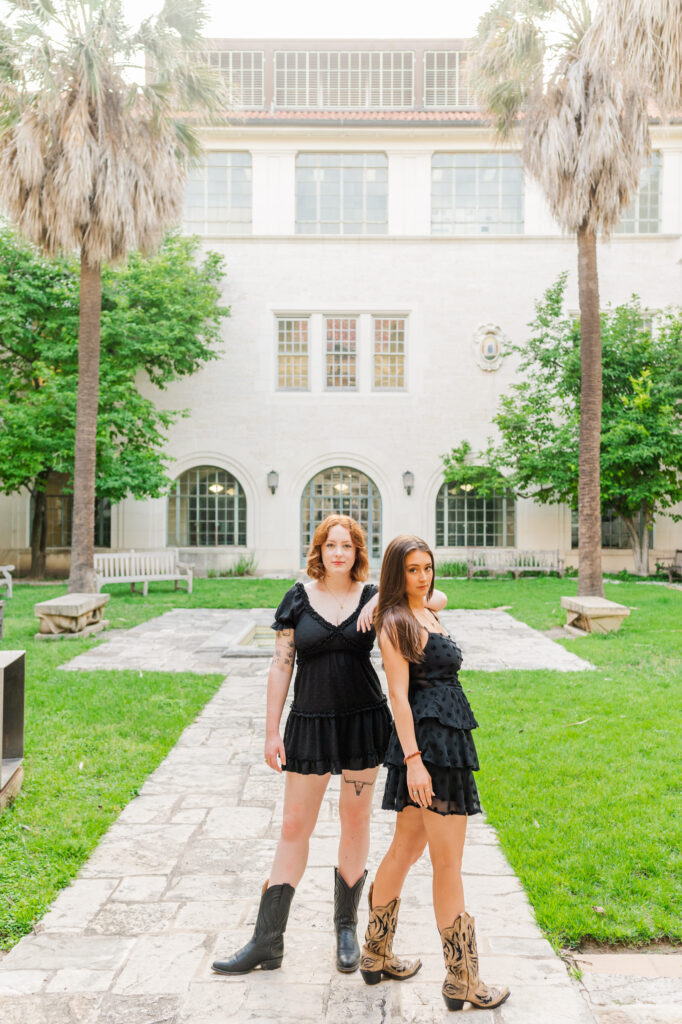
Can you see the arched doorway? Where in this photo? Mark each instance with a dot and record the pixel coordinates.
(206, 508)
(346, 491)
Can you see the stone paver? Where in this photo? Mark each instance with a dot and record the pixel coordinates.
(176, 881)
(206, 640)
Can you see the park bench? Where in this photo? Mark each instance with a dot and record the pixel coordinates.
(671, 566)
(6, 578)
(142, 567)
(12, 687)
(498, 562)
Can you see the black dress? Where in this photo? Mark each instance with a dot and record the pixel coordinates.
(339, 718)
(443, 721)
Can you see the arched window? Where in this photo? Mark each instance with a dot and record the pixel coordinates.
(463, 519)
(206, 508)
(348, 492)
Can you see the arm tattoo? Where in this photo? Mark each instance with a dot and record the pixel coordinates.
(358, 783)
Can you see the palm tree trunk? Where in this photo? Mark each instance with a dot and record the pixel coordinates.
(82, 576)
(39, 527)
(590, 581)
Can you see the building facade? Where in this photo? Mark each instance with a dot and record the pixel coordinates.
(380, 247)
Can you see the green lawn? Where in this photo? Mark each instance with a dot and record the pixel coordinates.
(589, 814)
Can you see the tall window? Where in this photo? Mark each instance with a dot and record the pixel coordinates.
(342, 353)
(614, 533)
(476, 194)
(59, 515)
(389, 353)
(218, 195)
(292, 355)
(446, 79)
(349, 492)
(341, 193)
(465, 520)
(643, 214)
(206, 508)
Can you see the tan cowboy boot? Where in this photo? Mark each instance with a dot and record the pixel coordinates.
(462, 983)
(377, 953)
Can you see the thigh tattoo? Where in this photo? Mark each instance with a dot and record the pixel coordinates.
(358, 783)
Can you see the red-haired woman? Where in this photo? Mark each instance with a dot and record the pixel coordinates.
(431, 759)
(339, 723)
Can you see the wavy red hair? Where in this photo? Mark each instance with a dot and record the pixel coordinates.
(315, 565)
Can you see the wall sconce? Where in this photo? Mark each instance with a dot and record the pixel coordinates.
(408, 481)
(273, 480)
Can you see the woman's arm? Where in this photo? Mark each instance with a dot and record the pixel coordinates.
(279, 678)
(437, 601)
(398, 678)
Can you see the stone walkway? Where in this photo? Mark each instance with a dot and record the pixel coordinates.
(176, 881)
(202, 640)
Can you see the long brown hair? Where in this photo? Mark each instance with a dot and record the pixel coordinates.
(315, 566)
(393, 614)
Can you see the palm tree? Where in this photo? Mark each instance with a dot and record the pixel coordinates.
(94, 162)
(585, 140)
(643, 37)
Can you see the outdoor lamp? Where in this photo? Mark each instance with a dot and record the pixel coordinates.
(273, 480)
(408, 481)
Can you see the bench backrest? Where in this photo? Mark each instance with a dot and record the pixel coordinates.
(120, 564)
(526, 559)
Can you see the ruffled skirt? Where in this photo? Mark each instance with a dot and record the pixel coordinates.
(443, 721)
(351, 740)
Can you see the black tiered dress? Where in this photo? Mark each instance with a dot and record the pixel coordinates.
(339, 718)
(443, 721)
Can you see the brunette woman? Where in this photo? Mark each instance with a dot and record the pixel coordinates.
(431, 759)
(338, 724)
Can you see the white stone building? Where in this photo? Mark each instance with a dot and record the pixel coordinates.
(378, 244)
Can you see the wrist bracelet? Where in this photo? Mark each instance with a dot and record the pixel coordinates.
(417, 753)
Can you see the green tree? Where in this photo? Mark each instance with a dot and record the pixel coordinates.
(161, 317)
(93, 161)
(641, 439)
(585, 137)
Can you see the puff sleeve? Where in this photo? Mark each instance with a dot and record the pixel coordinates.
(289, 610)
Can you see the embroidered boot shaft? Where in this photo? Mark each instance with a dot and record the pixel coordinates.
(462, 983)
(378, 957)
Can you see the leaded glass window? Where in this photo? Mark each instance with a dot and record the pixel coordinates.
(292, 354)
(341, 353)
(218, 195)
(476, 194)
(345, 491)
(614, 532)
(341, 193)
(59, 515)
(389, 353)
(643, 214)
(463, 519)
(206, 508)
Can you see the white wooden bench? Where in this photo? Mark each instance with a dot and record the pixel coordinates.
(142, 567)
(497, 562)
(6, 578)
(671, 566)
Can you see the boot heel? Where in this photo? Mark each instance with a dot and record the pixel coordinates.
(371, 977)
(453, 1004)
(272, 965)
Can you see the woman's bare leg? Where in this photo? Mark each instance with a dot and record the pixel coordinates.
(302, 798)
(407, 846)
(445, 833)
(355, 807)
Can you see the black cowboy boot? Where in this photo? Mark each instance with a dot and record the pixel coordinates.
(265, 948)
(346, 901)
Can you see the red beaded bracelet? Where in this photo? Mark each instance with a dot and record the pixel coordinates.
(417, 753)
